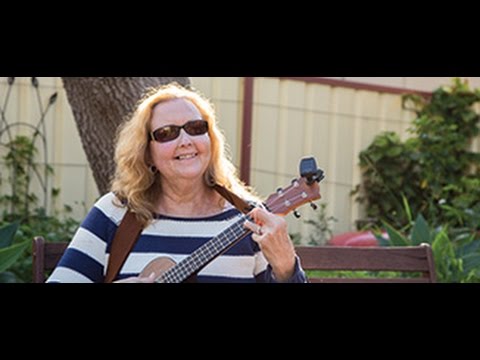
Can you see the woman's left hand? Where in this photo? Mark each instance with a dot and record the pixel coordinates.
(138, 280)
(270, 232)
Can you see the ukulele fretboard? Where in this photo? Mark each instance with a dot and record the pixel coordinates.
(206, 253)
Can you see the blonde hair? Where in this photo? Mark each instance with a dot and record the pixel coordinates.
(135, 184)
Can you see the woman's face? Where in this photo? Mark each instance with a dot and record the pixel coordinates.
(186, 157)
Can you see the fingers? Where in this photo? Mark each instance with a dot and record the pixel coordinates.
(146, 280)
(261, 216)
(150, 279)
(257, 229)
(266, 226)
(267, 221)
(139, 280)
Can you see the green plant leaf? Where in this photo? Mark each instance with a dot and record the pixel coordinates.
(470, 247)
(420, 231)
(444, 255)
(8, 278)
(7, 234)
(471, 262)
(9, 255)
(406, 206)
(396, 239)
(382, 241)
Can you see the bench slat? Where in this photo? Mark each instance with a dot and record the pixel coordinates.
(399, 259)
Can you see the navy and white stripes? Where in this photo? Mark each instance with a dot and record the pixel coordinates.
(87, 255)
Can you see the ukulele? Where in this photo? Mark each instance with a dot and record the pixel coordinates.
(301, 191)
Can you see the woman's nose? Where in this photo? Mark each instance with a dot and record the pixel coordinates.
(184, 139)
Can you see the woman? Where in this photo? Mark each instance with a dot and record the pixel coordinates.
(169, 156)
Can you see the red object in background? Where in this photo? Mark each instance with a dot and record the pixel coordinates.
(363, 238)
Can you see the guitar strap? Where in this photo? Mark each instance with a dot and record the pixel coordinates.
(130, 229)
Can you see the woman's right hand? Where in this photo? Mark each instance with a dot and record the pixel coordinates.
(138, 280)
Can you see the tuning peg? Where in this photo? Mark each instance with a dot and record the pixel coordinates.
(314, 207)
(297, 214)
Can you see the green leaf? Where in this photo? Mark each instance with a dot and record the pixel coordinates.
(471, 262)
(471, 246)
(420, 231)
(7, 234)
(444, 255)
(408, 211)
(396, 239)
(382, 241)
(8, 278)
(9, 255)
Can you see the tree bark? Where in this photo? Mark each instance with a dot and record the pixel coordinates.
(99, 105)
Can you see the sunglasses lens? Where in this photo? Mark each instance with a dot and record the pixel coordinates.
(166, 133)
(196, 127)
(171, 132)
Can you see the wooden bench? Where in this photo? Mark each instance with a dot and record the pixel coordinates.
(45, 256)
(408, 259)
(328, 258)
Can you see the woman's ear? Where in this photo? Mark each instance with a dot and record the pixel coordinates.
(209, 179)
(149, 161)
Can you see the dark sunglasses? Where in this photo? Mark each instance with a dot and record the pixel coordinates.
(171, 132)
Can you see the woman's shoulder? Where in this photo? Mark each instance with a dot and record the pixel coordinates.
(107, 198)
(111, 206)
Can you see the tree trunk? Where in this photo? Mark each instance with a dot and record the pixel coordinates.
(99, 105)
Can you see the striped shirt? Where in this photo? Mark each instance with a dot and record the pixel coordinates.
(87, 255)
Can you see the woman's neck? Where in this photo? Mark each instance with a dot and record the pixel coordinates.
(188, 200)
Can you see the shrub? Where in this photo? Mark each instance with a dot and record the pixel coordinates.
(434, 170)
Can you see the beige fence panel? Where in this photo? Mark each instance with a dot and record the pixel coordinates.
(226, 94)
(411, 83)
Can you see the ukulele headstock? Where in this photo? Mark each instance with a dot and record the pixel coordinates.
(301, 191)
